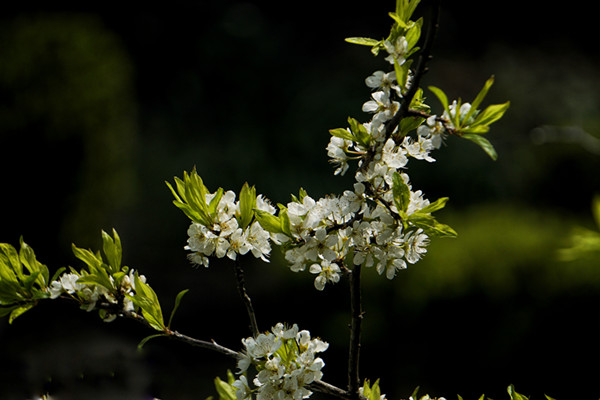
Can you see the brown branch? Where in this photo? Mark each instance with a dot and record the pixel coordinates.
(241, 286)
(355, 330)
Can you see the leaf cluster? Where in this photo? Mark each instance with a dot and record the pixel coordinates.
(23, 280)
(473, 124)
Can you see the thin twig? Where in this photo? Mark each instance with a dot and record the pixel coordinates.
(212, 345)
(241, 286)
(334, 391)
(355, 329)
(420, 69)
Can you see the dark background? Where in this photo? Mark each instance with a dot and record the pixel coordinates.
(100, 104)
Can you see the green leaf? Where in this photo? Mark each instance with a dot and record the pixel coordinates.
(268, 221)
(10, 292)
(284, 218)
(190, 197)
(439, 93)
(176, 306)
(28, 259)
(483, 143)
(97, 279)
(342, 133)
(476, 129)
(491, 114)
(19, 310)
(4, 311)
(247, 204)
(30, 280)
(147, 300)
(93, 261)
(405, 8)
(402, 72)
(431, 226)
(7, 272)
(371, 392)
(398, 20)
(435, 206)
(112, 250)
(548, 397)
(413, 34)
(225, 390)
(360, 133)
(514, 395)
(415, 393)
(401, 192)
(145, 340)
(479, 98)
(10, 258)
(363, 41)
(57, 274)
(214, 203)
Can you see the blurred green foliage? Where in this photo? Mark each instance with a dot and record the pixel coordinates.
(67, 116)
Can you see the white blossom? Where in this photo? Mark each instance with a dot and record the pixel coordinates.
(396, 50)
(286, 362)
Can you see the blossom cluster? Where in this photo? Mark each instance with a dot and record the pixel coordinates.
(285, 361)
(328, 230)
(366, 222)
(382, 222)
(89, 295)
(225, 236)
(368, 225)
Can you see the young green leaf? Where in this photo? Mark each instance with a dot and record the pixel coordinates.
(439, 93)
(225, 390)
(342, 133)
(514, 395)
(146, 299)
(483, 143)
(435, 206)
(401, 192)
(431, 226)
(93, 261)
(148, 338)
(286, 225)
(214, 203)
(360, 133)
(29, 261)
(10, 258)
(19, 310)
(363, 41)
(112, 250)
(479, 98)
(268, 221)
(190, 197)
(491, 114)
(247, 204)
(176, 306)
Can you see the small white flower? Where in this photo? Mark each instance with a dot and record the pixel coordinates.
(258, 240)
(327, 272)
(381, 80)
(416, 243)
(396, 50)
(393, 156)
(243, 389)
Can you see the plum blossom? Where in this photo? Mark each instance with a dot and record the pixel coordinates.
(286, 361)
(226, 237)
